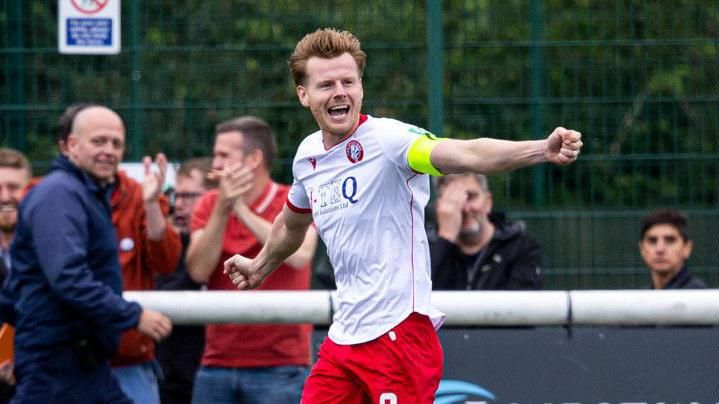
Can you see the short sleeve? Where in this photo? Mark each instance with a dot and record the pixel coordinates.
(297, 199)
(202, 211)
(408, 146)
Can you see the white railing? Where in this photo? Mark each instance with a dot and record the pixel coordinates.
(596, 307)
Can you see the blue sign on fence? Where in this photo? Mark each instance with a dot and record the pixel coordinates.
(89, 31)
(89, 27)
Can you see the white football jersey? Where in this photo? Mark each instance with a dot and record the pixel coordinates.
(368, 206)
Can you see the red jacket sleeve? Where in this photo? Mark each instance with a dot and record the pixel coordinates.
(163, 255)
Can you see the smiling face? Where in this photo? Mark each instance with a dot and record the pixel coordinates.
(97, 143)
(664, 250)
(12, 185)
(333, 92)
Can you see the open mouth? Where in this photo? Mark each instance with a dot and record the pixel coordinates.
(8, 207)
(179, 220)
(339, 110)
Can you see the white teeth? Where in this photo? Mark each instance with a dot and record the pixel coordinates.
(338, 110)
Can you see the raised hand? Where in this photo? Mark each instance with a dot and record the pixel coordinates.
(563, 146)
(153, 181)
(449, 210)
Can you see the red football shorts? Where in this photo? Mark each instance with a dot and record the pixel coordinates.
(402, 366)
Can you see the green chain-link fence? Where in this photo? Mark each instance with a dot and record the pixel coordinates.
(640, 79)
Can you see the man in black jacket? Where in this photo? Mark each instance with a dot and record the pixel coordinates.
(665, 247)
(475, 249)
(179, 354)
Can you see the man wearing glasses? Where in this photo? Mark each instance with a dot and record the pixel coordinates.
(179, 355)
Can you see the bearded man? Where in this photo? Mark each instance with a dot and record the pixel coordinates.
(476, 249)
(15, 174)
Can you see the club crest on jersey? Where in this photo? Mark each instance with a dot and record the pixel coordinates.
(313, 161)
(354, 151)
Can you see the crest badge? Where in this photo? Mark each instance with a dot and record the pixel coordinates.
(354, 151)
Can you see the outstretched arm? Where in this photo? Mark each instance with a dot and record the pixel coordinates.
(492, 156)
(286, 235)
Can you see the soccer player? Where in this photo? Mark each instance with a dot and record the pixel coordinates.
(363, 181)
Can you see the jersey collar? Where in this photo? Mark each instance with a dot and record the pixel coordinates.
(362, 119)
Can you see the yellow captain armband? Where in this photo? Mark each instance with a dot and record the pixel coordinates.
(419, 153)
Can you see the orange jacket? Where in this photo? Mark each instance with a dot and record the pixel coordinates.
(140, 258)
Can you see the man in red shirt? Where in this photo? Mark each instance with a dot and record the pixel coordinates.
(235, 219)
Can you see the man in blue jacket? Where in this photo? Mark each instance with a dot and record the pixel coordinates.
(66, 284)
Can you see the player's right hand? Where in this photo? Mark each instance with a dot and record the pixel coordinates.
(238, 268)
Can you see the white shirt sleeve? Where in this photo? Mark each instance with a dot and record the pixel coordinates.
(297, 197)
(396, 138)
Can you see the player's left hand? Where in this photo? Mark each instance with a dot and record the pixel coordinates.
(563, 146)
